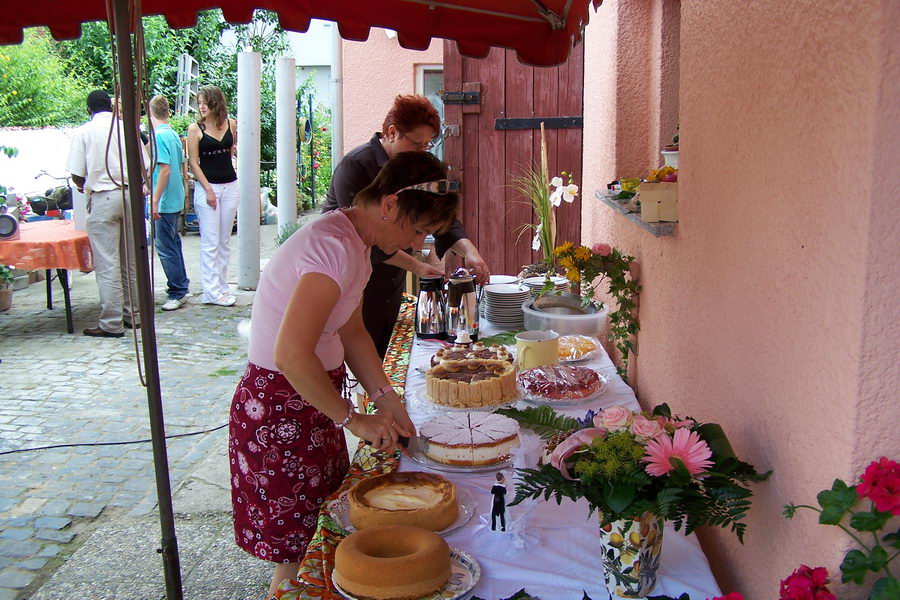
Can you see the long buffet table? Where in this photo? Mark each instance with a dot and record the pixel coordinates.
(561, 559)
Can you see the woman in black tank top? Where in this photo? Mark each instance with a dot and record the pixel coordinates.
(212, 142)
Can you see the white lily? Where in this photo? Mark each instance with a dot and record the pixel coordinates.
(536, 242)
(569, 192)
(556, 182)
(556, 196)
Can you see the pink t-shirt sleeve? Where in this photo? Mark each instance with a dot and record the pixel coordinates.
(330, 247)
(327, 256)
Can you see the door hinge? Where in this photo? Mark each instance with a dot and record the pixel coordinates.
(461, 97)
(535, 123)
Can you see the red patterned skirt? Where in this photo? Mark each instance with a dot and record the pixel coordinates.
(286, 459)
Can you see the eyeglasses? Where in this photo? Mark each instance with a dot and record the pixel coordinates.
(440, 187)
(426, 145)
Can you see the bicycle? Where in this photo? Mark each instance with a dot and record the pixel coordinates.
(55, 200)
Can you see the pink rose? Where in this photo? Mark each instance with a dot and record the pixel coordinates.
(614, 418)
(601, 249)
(568, 446)
(646, 429)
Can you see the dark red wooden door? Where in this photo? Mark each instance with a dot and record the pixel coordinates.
(486, 160)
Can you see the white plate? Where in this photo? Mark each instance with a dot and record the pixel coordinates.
(340, 511)
(538, 282)
(604, 386)
(504, 289)
(503, 279)
(421, 397)
(418, 455)
(464, 575)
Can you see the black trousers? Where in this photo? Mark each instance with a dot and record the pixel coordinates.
(497, 510)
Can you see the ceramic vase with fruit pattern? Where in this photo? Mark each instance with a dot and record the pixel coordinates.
(631, 551)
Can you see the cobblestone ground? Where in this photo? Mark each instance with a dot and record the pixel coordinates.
(61, 388)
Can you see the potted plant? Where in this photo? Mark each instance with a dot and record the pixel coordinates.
(670, 151)
(638, 469)
(6, 281)
(587, 269)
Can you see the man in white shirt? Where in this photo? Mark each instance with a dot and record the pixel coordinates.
(96, 169)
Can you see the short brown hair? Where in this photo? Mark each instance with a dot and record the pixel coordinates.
(418, 206)
(409, 112)
(159, 107)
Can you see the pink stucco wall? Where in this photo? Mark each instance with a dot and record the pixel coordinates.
(773, 310)
(375, 71)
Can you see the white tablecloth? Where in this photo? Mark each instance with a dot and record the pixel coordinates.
(565, 559)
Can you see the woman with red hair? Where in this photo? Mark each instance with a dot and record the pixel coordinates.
(411, 125)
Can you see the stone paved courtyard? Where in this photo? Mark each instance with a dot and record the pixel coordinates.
(61, 388)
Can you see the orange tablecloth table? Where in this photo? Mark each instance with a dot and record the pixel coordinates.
(50, 245)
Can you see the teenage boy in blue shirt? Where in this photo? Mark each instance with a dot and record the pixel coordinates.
(168, 202)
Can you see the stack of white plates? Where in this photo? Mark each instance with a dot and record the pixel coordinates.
(502, 304)
(536, 284)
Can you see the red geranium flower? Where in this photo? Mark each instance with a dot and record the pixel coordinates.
(881, 485)
(731, 596)
(807, 583)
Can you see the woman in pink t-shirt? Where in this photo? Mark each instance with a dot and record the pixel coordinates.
(286, 443)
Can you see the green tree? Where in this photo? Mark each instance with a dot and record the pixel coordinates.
(36, 89)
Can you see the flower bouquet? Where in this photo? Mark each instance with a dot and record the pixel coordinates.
(638, 469)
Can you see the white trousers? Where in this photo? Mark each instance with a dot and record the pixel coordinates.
(107, 224)
(215, 237)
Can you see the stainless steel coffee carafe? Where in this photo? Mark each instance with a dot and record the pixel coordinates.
(462, 305)
(431, 309)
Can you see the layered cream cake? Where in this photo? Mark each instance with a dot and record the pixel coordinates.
(476, 350)
(420, 499)
(471, 382)
(470, 438)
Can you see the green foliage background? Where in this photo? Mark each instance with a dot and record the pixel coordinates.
(36, 87)
(45, 83)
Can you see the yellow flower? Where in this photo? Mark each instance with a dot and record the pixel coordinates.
(563, 248)
(567, 263)
(573, 276)
(583, 253)
(15, 93)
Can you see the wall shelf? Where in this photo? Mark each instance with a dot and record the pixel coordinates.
(657, 229)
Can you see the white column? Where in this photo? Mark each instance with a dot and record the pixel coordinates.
(286, 139)
(248, 106)
(337, 97)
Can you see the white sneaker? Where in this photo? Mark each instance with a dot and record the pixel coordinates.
(226, 300)
(174, 303)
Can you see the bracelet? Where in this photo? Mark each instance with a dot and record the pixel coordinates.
(346, 421)
(374, 396)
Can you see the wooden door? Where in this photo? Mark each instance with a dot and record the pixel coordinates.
(485, 157)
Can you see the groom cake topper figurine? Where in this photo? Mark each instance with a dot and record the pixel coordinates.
(498, 508)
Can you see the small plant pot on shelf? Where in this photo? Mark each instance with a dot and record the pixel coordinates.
(670, 158)
(593, 324)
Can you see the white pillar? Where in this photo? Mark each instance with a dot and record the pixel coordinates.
(286, 139)
(337, 97)
(248, 104)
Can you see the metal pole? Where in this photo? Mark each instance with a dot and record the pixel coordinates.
(337, 97)
(312, 153)
(133, 157)
(249, 69)
(286, 140)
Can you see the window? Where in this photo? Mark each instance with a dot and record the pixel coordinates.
(430, 83)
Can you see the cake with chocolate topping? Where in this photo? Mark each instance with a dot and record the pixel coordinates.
(471, 382)
(470, 351)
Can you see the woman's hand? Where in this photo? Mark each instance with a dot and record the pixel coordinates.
(427, 270)
(211, 198)
(475, 263)
(390, 404)
(378, 429)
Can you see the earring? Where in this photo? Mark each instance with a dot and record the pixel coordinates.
(383, 218)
